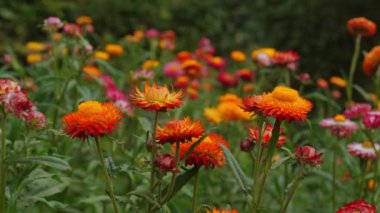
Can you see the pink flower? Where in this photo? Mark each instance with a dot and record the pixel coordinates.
(363, 150)
(152, 33)
(7, 58)
(8, 85)
(142, 75)
(371, 119)
(357, 110)
(263, 59)
(340, 126)
(52, 24)
(308, 155)
(303, 77)
(16, 103)
(124, 106)
(115, 94)
(227, 79)
(173, 69)
(71, 29)
(35, 118)
(108, 82)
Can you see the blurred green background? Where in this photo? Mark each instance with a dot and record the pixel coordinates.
(314, 28)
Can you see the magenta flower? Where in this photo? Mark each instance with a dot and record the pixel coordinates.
(357, 111)
(339, 125)
(363, 150)
(35, 118)
(71, 29)
(152, 33)
(173, 69)
(371, 119)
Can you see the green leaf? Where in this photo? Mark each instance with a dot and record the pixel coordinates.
(319, 96)
(362, 92)
(281, 161)
(145, 123)
(238, 172)
(50, 161)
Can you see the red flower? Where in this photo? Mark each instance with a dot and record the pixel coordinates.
(166, 163)
(359, 206)
(285, 58)
(266, 134)
(227, 79)
(308, 155)
(372, 61)
(361, 26)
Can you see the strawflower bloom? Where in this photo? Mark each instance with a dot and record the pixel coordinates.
(35, 47)
(322, 83)
(363, 150)
(227, 79)
(359, 206)
(16, 103)
(244, 74)
(152, 33)
(183, 56)
(207, 153)
(91, 71)
(102, 55)
(307, 155)
(238, 56)
(338, 81)
(157, 98)
(142, 75)
(230, 110)
(173, 69)
(52, 24)
(192, 68)
(371, 61)
(93, 119)
(266, 134)
(216, 62)
(34, 118)
(114, 49)
(361, 27)
(84, 20)
(283, 103)
(270, 52)
(371, 119)
(72, 29)
(150, 64)
(216, 210)
(8, 85)
(358, 110)
(285, 58)
(213, 115)
(179, 131)
(339, 125)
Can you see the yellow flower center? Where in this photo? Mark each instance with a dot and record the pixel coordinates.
(285, 94)
(339, 118)
(90, 107)
(367, 144)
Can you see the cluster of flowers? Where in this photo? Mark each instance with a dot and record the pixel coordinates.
(15, 102)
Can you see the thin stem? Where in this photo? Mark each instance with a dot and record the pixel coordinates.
(354, 61)
(257, 164)
(174, 176)
(377, 151)
(3, 164)
(106, 175)
(153, 159)
(295, 184)
(334, 177)
(194, 202)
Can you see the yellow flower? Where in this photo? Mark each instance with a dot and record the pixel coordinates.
(84, 20)
(238, 56)
(35, 47)
(337, 81)
(212, 115)
(101, 55)
(34, 58)
(270, 52)
(150, 64)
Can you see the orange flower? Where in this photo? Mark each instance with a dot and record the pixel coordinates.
(216, 210)
(91, 71)
(322, 83)
(212, 115)
(192, 68)
(84, 20)
(270, 52)
(283, 103)
(361, 26)
(179, 131)
(114, 49)
(337, 81)
(156, 98)
(266, 134)
(34, 58)
(229, 108)
(372, 61)
(208, 153)
(238, 56)
(92, 119)
(150, 64)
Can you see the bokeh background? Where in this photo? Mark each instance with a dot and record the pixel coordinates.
(314, 28)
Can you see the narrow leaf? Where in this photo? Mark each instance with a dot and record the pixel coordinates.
(50, 161)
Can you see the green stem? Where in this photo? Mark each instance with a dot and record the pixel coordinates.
(257, 164)
(3, 164)
(194, 202)
(106, 175)
(153, 159)
(268, 160)
(370, 138)
(333, 178)
(295, 184)
(354, 61)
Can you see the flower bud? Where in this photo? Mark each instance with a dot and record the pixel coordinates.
(308, 155)
(246, 145)
(166, 163)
